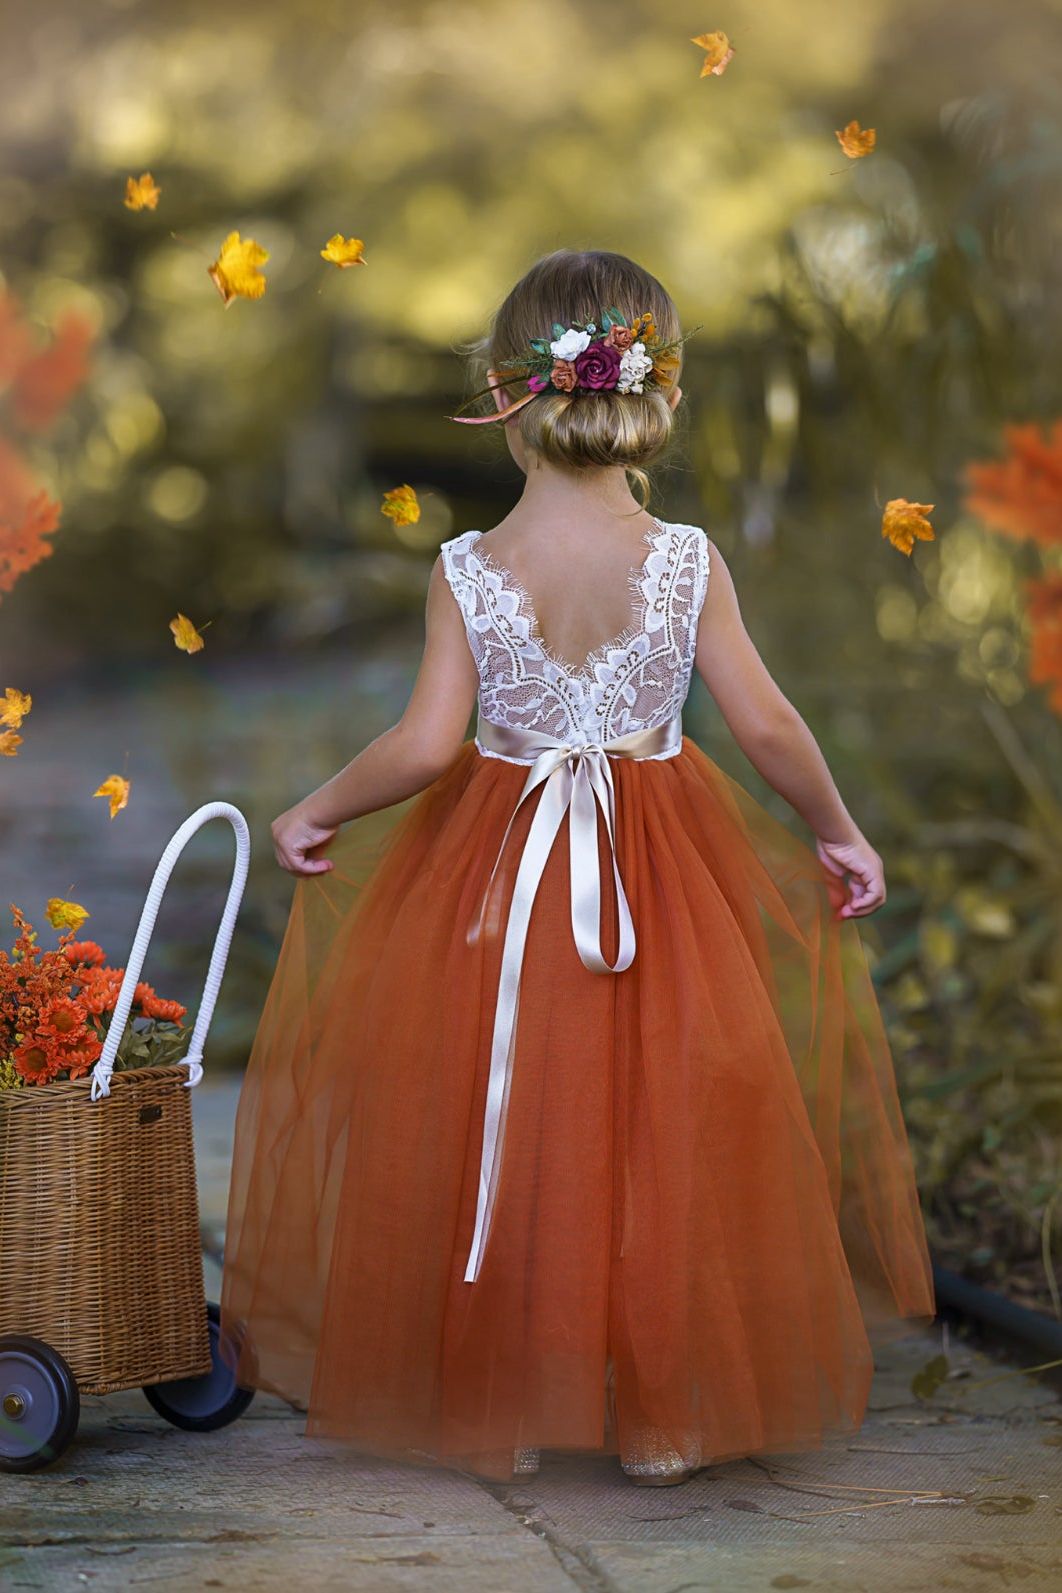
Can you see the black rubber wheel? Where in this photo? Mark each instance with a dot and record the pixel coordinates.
(39, 1403)
(202, 1404)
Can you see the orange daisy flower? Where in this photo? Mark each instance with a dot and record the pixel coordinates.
(83, 953)
(63, 1019)
(157, 1007)
(36, 1061)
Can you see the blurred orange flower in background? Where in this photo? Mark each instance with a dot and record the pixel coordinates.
(1021, 494)
(36, 385)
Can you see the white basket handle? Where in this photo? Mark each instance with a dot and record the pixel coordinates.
(193, 1058)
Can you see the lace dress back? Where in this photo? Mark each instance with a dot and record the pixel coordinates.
(636, 681)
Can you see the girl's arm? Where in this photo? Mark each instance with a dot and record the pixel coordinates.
(406, 758)
(778, 743)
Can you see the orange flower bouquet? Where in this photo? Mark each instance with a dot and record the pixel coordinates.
(56, 1007)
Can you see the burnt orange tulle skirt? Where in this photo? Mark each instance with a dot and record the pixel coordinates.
(706, 1214)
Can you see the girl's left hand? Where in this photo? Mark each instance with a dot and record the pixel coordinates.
(863, 891)
(294, 836)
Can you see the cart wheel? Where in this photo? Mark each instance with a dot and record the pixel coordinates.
(201, 1404)
(39, 1403)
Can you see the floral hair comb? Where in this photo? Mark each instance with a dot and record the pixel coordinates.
(604, 356)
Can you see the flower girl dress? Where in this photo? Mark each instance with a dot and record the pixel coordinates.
(571, 1122)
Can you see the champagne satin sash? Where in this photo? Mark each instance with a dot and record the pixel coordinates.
(577, 781)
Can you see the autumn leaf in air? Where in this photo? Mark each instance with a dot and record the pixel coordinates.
(14, 707)
(141, 193)
(400, 506)
(117, 790)
(9, 744)
(185, 635)
(718, 53)
(235, 272)
(856, 141)
(905, 523)
(65, 915)
(344, 252)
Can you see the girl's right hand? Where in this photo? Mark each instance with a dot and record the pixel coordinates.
(866, 883)
(294, 835)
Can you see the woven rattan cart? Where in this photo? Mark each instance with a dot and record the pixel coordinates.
(101, 1276)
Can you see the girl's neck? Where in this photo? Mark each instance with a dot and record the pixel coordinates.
(552, 493)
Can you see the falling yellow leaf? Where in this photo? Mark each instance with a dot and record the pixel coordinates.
(14, 707)
(856, 141)
(905, 522)
(235, 272)
(718, 53)
(185, 635)
(65, 915)
(117, 789)
(9, 744)
(141, 193)
(401, 506)
(344, 251)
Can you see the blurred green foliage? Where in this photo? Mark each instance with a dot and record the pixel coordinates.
(868, 328)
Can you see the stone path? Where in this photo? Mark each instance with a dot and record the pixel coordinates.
(963, 1492)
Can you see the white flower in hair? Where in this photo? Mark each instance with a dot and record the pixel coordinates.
(635, 365)
(570, 345)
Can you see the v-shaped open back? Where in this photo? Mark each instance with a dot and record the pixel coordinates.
(634, 627)
(636, 680)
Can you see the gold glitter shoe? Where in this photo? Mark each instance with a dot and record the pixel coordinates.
(663, 1479)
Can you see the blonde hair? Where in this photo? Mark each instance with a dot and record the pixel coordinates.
(582, 429)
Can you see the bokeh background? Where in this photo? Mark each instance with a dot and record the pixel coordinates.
(867, 330)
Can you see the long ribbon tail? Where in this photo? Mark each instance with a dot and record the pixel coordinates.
(593, 789)
(540, 771)
(547, 820)
(499, 414)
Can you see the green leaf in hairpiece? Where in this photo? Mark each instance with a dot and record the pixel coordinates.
(558, 330)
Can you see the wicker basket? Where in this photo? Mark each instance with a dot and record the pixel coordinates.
(99, 1220)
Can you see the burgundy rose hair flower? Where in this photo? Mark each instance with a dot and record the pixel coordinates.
(598, 367)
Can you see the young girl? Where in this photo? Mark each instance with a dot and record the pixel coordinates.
(571, 1124)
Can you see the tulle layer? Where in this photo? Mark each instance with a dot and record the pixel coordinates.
(706, 1211)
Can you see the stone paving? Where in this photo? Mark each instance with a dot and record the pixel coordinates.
(961, 1492)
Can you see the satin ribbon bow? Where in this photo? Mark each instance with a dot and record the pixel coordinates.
(576, 780)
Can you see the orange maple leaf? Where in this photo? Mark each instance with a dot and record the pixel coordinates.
(718, 53)
(14, 706)
(235, 272)
(856, 141)
(9, 744)
(904, 523)
(117, 790)
(400, 506)
(344, 252)
(141, 193)
(1021, 494)
(185, 635)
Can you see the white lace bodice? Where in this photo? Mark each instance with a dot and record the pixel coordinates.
(636, 681)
